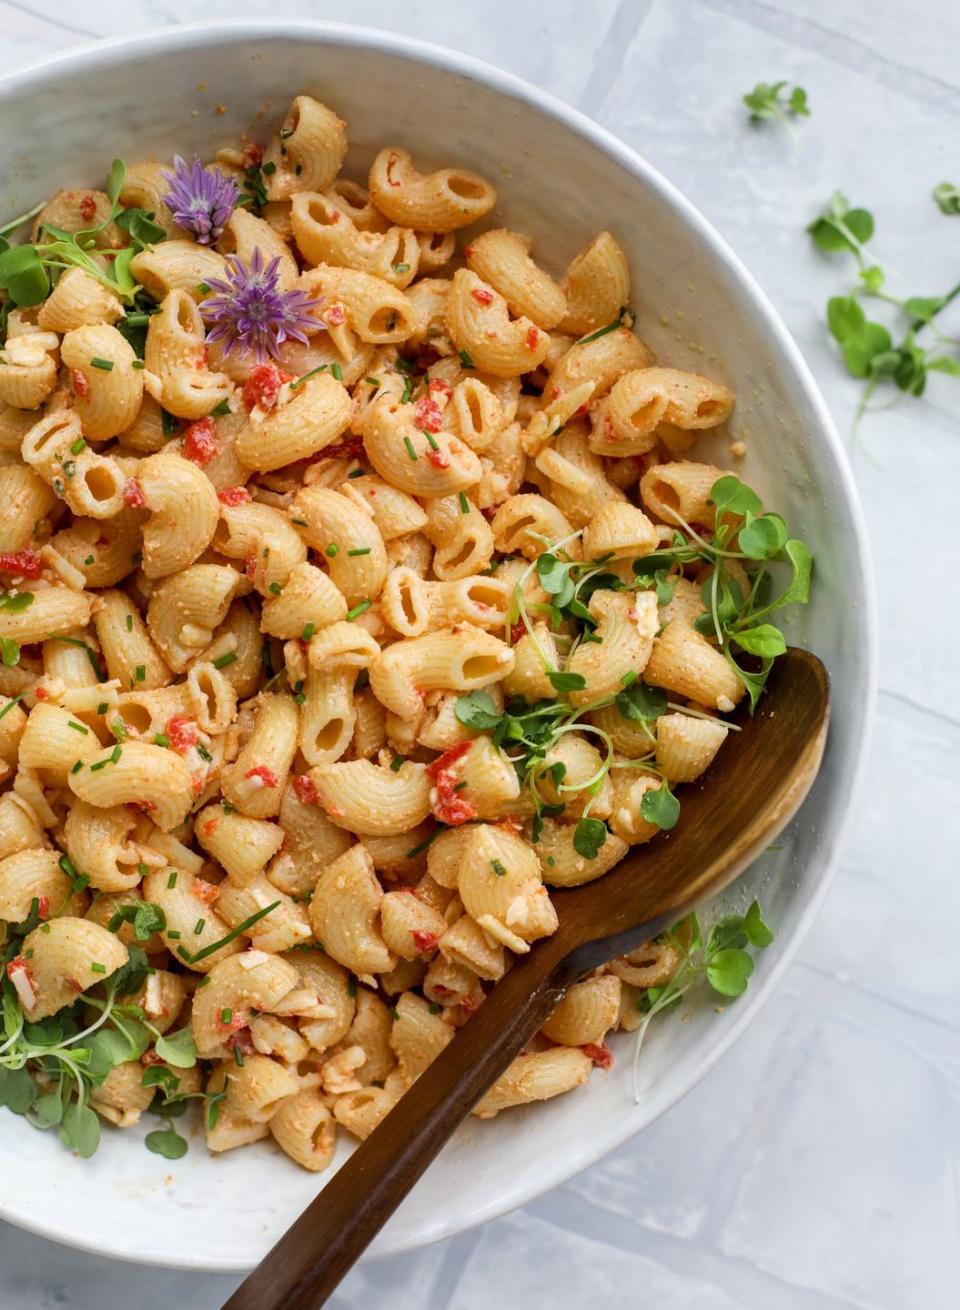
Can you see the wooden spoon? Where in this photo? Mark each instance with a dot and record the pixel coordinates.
(762, 775)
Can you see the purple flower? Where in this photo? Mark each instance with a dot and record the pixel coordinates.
(252, 312)
(200, 199)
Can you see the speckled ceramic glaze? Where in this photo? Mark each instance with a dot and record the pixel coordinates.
(560, 178)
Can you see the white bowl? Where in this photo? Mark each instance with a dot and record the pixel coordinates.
(561, 178)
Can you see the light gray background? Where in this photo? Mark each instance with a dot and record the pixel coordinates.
(819, 1166)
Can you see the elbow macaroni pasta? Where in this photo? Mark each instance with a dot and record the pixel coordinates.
(259, 617)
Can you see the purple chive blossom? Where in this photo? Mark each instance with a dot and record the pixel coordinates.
(252, 313)
(200, 199)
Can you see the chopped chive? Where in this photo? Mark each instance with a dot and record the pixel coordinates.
(172, 881)
(337, 371)
(77, 767)
(374, 382)
(203, 288)
(129, 622)
(77, 727)
(105, 364)
(171, 423)
(183, 953)
(422, 846)
(363, 550)
(204, 753)
(115, 754)
(140, 672)
(275, 588)
(308, 630)
(77, 446)
(119, 729)
(102, 707)
(143, 869)
(410, 450)
(301, 523)
(226, 1014)
(138, 364)
(401, 268)
(161, 739)
(234, 933)
(460, 785)
(352, 985)
(95, 967)
(358, 610)
(321, 368)
(609, 327)
(222, 661)
(100, 764)
(88, 560)
(464, 503)
(332, 549)
(10, 704)
(269, 168)
(397, 763)
(355, 473)
(174, 934)
(465, 359)
(198, 927)
(219, 410)
(434, 1008)
(238, 1057)
(431, 440)
(498, 868)
(630, 676)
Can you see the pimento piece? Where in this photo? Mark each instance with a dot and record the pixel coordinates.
(443, 388)
(438, 458)
(427, 414)
(263, 386)
(210, 827)
(182, 732)
(43, 906)
(424, 941)
(200, 441)
(41, 693)
(88, 207)
(238, 1019)
(517, 630)
(233, 496)
(482, 296)
(21, 563)
(79, 384)
(532, 339)
(208, 892)
(252, 155)
(266, 775)
(133, 494)
(241, 1040)
(349, 448)
(21, 975)
(305, 789)
(599, 1053)
(335, 315)
(150, 1058)
(450, 807)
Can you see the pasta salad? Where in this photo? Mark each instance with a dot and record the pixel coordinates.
(358, 590)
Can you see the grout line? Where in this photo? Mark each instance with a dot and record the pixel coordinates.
(906, 710)
(628, 17)
(49, 22)
(828, 43)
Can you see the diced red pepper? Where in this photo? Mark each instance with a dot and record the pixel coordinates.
(265, 774)
(468, 252)
(233, 496)
(208, 892)
(200, 441)
(438, 458)
(532, 338)
(252, 155)
(21, 563)
(263, 386)
(133, 494)
(210, 827)
(88, 207)
(41, 693)
(448, 759)
(305, 789)
(450, 807)
(79, 384)
(182, 732)
(348, 448)
(599, 1053)
(43, 906)
(438, 384)
(424, 941)
(335, 315)
(240, 1040)
(517, 631)
(427, 414)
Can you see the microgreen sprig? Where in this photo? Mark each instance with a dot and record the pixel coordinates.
(770, 100)
(721, 958)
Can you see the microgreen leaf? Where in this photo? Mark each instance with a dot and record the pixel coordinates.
(166, 1142)
(588, 836)
(756, 929)
(80, 1129)
(841, 228)
(859, 339)
(661, 807)
(947, 197)
(179, 1049)
(763, 537)
(729, 972)
(18, 1091)
(477, 710)
(764, 640)
(567, 681)
(640, 703)
(769, 100)
(731, 496)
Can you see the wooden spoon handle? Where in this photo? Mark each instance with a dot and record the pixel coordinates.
(309, 1261)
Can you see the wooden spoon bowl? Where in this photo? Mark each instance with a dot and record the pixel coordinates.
(762, 775)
